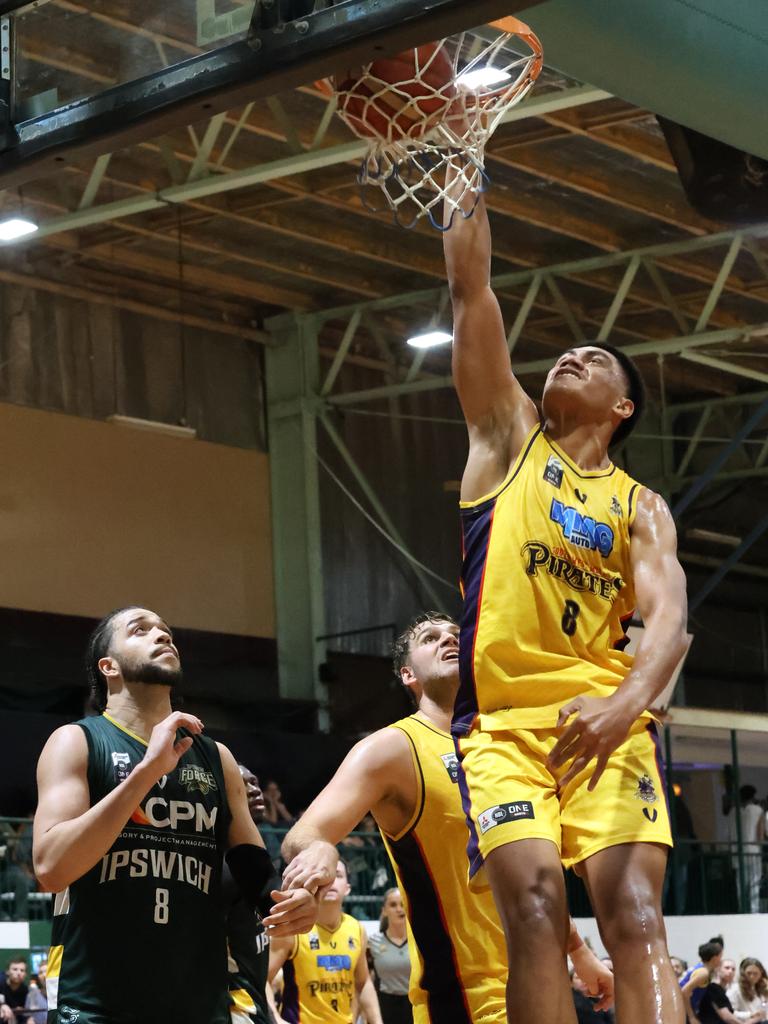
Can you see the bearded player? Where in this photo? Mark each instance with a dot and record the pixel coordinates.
(559, 756)
(406, 775)
(136, 808)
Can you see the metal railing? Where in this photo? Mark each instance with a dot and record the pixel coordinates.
(370, 873)
(702, 877)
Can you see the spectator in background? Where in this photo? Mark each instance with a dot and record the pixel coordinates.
(678, 966)
(752, 819)
(715, 1006)
(696, 979)
(749, 992)
(14, 989)
(37, 1002)
(275, 811)
(389, 957)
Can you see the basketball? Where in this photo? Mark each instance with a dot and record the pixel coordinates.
(402, 97)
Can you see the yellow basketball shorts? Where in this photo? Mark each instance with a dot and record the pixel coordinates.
(509, 793)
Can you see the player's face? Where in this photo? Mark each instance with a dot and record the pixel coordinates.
(143, 647)
(340, 888)
(585, 379)
(433, 656)
(253, 791)
(677, 966)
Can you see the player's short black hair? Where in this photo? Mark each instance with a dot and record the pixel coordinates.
(711, 948)
(636, 386)
(402, 645)
(98, 648)
(747, 792)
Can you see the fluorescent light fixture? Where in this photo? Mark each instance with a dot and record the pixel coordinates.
(16, 227)
(483, 78)
(430, 339)
(153, 426)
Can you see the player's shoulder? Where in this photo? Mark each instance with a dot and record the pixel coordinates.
(381, 749)
(651, 509)
(66, 747)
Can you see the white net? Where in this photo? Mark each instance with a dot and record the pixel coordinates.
(431, 109)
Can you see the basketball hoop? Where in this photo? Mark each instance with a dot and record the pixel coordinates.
(431, 111)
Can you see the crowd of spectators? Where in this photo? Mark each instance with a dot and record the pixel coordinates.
(22, 998)
(715, 990)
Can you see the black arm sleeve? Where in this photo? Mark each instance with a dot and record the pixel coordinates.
(255, 875)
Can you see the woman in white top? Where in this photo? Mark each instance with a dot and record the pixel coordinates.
(749, 993)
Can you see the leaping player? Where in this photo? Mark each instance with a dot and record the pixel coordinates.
(559, 756)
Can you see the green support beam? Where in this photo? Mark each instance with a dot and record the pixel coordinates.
(292, 378)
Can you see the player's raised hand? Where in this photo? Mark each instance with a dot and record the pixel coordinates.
(165, 748)
(293, 913)
(593, 728)
(314, 868)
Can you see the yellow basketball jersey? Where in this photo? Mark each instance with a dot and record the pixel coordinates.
(547, 588)
(319, 975)
(458, 955)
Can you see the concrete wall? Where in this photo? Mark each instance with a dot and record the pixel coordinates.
(95, 515)
(744, 934)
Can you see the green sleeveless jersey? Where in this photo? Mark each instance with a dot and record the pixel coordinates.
(140, 938)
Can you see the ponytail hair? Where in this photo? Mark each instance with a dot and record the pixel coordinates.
(98, 648)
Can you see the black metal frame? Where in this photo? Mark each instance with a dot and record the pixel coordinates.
(269, 62)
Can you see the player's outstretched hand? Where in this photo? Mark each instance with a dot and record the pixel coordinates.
(163, 749)
(597, 727)
(313, 869)
(293, 913)
(595, 975)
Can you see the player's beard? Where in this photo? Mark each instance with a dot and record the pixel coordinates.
(152, 674)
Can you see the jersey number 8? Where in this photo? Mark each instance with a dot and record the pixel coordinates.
(161, 906)
(570, 615)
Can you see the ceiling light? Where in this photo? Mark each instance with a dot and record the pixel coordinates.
(16, 227)
(430, 339)
(154, 426)
(483, 78)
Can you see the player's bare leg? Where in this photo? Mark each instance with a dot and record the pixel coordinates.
(526, 878)
(625, 886)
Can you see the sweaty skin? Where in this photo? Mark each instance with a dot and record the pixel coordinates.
(584, 401)
(378, 776)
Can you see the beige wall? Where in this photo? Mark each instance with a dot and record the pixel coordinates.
(95, 515)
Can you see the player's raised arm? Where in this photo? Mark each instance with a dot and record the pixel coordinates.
(495, 406)
(371, 778)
